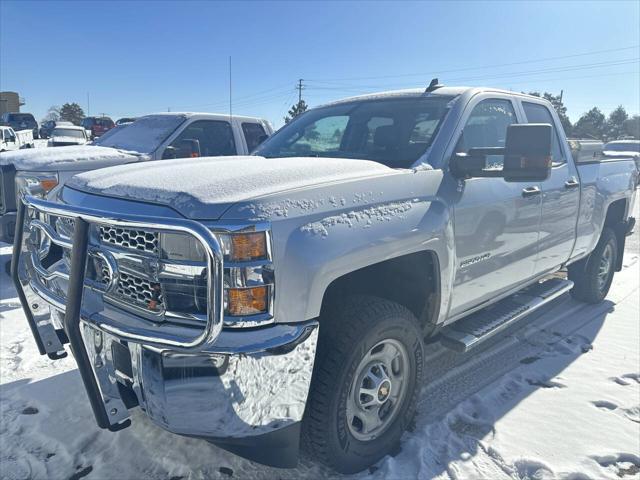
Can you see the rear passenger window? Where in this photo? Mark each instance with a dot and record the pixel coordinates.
(254, 134)
(537, 113)
(487, 127)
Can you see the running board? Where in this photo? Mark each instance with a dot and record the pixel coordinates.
(468, 332)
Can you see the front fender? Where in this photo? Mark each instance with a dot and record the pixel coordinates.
(323, 233)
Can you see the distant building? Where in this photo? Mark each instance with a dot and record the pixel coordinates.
(10, 102)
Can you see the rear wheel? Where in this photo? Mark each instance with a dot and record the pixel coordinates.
(364, 388)
(593, 275)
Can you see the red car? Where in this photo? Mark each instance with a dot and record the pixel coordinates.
(97, 125)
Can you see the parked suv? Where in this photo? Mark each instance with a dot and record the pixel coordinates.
(20, 121)
(97, 125)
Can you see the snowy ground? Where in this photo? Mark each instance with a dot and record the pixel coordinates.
(557, 396)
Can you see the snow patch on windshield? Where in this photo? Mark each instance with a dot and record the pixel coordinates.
(364, 218)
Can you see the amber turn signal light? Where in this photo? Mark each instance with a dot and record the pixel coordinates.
(247, 301)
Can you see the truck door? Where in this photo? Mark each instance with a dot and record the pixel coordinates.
(560, 196)
(495, 223)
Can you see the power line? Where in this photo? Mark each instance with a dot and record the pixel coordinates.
(594, 52)
(586, 66)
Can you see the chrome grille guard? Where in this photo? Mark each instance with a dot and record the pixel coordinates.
(77, 283)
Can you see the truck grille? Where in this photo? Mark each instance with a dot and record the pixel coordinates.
(138, 292)
(132, 239)
(65, 226)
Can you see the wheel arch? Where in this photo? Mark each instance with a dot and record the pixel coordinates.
(616, 220)
(411, 280)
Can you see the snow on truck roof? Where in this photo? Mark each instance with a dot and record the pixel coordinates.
(419, 92)
(205, 115)
(63, 126)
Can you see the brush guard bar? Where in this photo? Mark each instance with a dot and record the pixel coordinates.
(50, 340)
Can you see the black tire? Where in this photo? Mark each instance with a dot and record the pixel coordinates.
(585, 273)
(347, 334)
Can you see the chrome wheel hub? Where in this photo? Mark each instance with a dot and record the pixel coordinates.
(604, 268)
(378, 389)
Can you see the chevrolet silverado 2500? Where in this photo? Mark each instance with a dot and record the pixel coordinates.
(154, 137)
(262, 300)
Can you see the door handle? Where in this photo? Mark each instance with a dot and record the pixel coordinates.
(572, 183)
(531, 191)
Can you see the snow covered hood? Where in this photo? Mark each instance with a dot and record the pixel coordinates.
(204, 188)
(83, 157)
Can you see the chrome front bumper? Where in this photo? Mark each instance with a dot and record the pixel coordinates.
(227, 385)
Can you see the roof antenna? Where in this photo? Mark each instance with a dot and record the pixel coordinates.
(434, 85)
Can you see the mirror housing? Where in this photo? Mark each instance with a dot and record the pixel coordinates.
(188, 148)
(527, 156)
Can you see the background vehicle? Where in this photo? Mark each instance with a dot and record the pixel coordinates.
(12, 140)
(125, 120)
(335, 249)
(65, 135)
(20, 121)
(47, 126)
(153, 137)
(624, 148)
(97, 125)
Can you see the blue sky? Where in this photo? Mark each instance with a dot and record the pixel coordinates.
(141, 57)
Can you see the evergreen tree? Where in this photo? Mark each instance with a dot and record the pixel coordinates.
(632, 127)
(295, 110)
(615, 123)
(71, 112)
(590, 125)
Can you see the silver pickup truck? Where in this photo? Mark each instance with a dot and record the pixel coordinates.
(284, 298)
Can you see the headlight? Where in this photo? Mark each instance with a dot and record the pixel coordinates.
(38, 184)
(248, 288)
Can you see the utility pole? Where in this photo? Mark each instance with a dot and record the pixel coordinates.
(300, 87)
(88, 106)
(561, 92)
(230, 102)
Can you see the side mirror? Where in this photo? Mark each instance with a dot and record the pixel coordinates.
(527, 156)
(188, 148)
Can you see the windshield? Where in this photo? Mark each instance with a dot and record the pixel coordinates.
(143, 135)
(67, 132)
(21, 117)
(394, 132)
(623, 146)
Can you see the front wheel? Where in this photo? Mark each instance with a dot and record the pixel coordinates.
(593, 276)
(365, 383)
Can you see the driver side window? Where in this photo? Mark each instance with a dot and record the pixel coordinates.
(487, 127)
